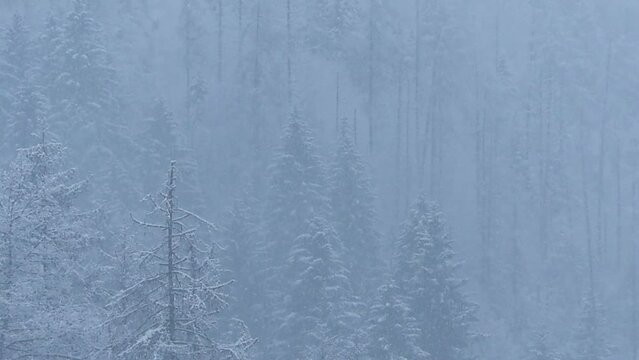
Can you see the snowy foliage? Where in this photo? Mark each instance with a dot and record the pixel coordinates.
(42, 245)
(307, 129)
(392, 331)
(353, 212)
(181, 293)
(426, 273)
(320, 304)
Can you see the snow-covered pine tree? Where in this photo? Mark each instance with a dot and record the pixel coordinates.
(82, 93)
(296, 192)
(427, 274)
(173, 307)
(21, 104)
(392, 333)
(43, 243)
(353, 214)
(295, 196)
(84, 105)
(320, 314)
(15, 58)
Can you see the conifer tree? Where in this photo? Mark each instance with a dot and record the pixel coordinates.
(21, 103)
(296, 193)
(294, 197)
(84, 107)
(320, 308)
(392, 332)
(427, 274)
(15, 61)
(174, 306)
(43, 243)
(353, 214)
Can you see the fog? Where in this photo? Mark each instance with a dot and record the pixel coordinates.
(319, 179)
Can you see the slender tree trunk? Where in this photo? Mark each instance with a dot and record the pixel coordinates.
(519, 313)
(618, 203)
(407, 149)
(240, 28)
(371, 56)
(633, 263)
(433, 126)
(398, 143)
(170, 255)
(337, 101)
(601, 238)
(418, 94)
(355, 126)
(220, 37)
(188, 43)
(6, 285)
(289, 50)
(257, 118)
(591, 282)
(194, 275)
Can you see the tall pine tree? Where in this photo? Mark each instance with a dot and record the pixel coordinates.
(43, 255)
(427, 274)
(294, 197)
(84, 106)
(21, 103)
(392, 331)
(353, 213)
(320, 314)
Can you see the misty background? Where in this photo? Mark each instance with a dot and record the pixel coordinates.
(353, 179)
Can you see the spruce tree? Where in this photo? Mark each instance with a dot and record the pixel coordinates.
(16, 58)
(21, 103)
(353, 214)
(295, 195)
(84, 107)
(320, 313)
(43, 249)
(392, 332)
(427, 273)
(296, 192)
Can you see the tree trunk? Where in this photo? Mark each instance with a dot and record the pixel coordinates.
(371, 49)
(170, 256)
(220, 37)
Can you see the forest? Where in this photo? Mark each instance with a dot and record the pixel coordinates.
(319, 179)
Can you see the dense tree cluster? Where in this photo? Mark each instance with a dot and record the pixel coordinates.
(327, 138)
